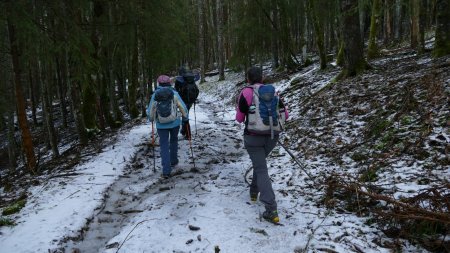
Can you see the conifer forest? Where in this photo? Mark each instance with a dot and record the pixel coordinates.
(362, 164)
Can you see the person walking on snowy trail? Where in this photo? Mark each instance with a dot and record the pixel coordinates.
(164, 108)
(263, 112)
(188, 90)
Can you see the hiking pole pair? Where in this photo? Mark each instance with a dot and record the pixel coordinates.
(188, 133)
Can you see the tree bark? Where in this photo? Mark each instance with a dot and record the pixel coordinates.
(318, 30)
(201, 40)
(113, 105)
(372, 51)
(12, 146)
(442, 43)
(354, 62)
(75, 99)
(398, 20)
(220, 44)
(422, 25)
(27, 140)
(62, 91)
(305, 37)
(33, 98)
(387, 38)
(275, 38)
(134, 112)
(414, 23)
(47, 109)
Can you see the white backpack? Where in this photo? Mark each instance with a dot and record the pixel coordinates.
(264, 115)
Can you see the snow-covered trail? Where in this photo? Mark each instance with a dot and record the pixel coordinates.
(118, 201)
(62, 206)
(216, 200)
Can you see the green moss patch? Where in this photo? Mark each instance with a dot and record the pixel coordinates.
(6, 222)
(14, 208)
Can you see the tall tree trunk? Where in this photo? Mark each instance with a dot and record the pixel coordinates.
(362, 20)
(318, 31)
(27, 140)
(61, 92)
(398, 20)
(113, 105)
(75, 99)
(47, 109)
(211, 33)
(442, 43)
(387, 38)
(201, 40)
(414, 23)
(372, 51)
(422, 25)
(12, 147)
(220, 44)
(32, 95)
(353, 45)
(89, 105)
(305, 37)
(143, 74)
(275, 37)
(134, 112)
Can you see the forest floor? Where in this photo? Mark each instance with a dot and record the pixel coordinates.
(388, 128)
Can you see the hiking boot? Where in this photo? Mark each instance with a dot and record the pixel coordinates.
(271, 216)
(253, 196)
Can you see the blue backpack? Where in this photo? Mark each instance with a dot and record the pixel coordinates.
(166, 109)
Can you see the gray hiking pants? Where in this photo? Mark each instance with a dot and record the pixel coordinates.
(258, 148)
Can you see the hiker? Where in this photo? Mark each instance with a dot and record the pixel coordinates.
(261, 134)
(188, 90)
(163, 109)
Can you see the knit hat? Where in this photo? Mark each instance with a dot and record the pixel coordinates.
(164, 80)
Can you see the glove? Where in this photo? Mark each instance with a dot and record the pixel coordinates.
(185, 120)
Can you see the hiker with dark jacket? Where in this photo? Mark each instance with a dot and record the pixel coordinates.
(163, 108)
(259, 142)
(188, 90)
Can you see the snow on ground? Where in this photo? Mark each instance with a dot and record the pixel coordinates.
(61, 207)
(130, 209)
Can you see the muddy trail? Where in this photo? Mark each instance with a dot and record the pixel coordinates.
(141, 181)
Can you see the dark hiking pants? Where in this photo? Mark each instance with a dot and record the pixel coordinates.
(258, 148)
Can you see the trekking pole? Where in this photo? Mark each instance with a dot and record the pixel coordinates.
(153, 146)
(188, 132)
(195, 121)
(302, 167)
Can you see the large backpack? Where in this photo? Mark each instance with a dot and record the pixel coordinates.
(189, 90)
(166, 109)
(265, 115)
